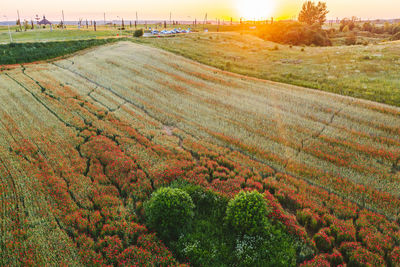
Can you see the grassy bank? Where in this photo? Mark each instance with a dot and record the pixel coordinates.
(15, 53)
(368, 72)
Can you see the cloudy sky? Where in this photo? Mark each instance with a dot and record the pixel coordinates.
(190, 9)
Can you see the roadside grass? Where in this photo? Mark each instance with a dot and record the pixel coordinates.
(368, 72)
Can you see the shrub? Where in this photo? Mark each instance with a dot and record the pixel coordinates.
(138, 33)
(343, 231)
(396, 37)
(276, 250)
(309, 219)
(351, 39)
(169, 211)
(323, 240)
(347, 249)
(294, 33)
(394, 257)
(246, 213)
(362, 257)
(335, 258)
(317, 261)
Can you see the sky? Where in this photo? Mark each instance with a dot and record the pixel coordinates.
(191, 9)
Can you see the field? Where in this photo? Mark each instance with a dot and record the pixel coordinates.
(85, 140)
(368, 72)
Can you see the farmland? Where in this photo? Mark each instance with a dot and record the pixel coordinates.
(86, 140)
(368, 72)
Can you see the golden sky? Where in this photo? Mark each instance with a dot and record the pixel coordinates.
(190, 9)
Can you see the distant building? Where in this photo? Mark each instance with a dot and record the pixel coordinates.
(44, 21)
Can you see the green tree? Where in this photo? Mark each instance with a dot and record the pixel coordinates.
(247, 213)
(312, 13)
(169, 211)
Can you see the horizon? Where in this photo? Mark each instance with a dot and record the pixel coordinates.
(157, 10)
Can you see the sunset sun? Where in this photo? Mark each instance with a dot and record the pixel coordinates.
(255, 9)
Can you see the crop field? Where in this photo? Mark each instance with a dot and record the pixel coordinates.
(84, 141)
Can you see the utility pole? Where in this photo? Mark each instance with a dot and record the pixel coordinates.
(205, 21)
(63, 20)
(170, 18)
(137, 20)
(104, 18)
(19, 22)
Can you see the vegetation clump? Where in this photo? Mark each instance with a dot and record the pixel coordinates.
(295, 33)
(138, 33)
(168, 211)
(247, 213)
(247, 238)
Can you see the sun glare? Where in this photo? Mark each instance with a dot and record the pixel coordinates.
(255, 9)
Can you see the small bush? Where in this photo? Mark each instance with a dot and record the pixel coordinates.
(138, 33)
(246, 213)
(394, 257)
(396, 37)
(351, 39)
(362, 257)
(169, 211)
(335, 258)
(323, 240)
(347, 249)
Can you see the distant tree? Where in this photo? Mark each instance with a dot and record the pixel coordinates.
(350, 23)
(312, 13)
(368, 27)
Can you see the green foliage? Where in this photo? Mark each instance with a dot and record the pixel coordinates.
(138, 33)
(169, 211)
(271, 248)
(208, 242)
(16, 53)
(206, 201)
(247, 213)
